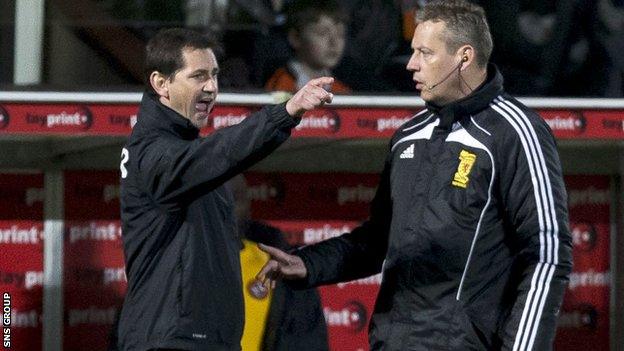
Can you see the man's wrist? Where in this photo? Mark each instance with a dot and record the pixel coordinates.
(292, 110)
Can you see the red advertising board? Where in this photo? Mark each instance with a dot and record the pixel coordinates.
(307, 207)
(94, 276)
(74, 119)
(306, 196)
(585, 124)
(21, 259)
(347, 310)
(329, 122)
(584, 317)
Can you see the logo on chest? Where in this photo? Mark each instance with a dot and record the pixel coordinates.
(466, 161)
(408, 153)
(256, 289)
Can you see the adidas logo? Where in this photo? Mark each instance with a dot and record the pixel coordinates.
(409, 152)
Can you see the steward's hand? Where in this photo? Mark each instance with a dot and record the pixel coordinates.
(311, 96)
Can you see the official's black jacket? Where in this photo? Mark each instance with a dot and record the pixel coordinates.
(179, 231)
(470, 228)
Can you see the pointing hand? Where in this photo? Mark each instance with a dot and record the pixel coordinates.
(311, 96)
(281, 265)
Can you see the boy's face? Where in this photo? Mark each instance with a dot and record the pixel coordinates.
(320, 44)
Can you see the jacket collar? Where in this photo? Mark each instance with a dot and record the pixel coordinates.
(154, 115)
(478, 100)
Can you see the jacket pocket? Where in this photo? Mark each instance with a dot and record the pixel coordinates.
(474, 335)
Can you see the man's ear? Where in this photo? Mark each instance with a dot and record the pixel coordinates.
(467, 56)
(160, 84)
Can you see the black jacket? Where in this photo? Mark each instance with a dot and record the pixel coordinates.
(470, 228)
(179, 231)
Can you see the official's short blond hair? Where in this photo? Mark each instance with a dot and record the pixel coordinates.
(465, 25)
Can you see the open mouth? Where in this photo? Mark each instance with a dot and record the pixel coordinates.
(203, 105)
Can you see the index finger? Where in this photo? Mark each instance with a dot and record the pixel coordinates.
(275, 253)
(321, 81)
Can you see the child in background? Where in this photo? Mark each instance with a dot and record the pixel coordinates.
(316, 33)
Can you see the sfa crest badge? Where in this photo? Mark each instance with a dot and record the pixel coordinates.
(466, 161)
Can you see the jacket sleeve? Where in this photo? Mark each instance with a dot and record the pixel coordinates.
(174, 171)
(535, 205)
(353, 255)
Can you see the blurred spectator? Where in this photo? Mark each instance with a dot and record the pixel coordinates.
(145, 18)
(558, 48)
(574, 59)
(521, 29)
(207, 15)
(252, 35)
(316, 33)
(543, 47)
(374, 47)
(282, 319)
(217, 16)
(269, 46)
(611, 13)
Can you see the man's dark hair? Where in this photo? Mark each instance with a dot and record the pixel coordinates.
(303, 12)
(465, 24)
(163, 52)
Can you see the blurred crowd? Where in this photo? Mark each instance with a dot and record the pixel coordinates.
(542, 47)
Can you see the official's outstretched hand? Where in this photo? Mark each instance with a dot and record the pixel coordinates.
(281, 265)
(311, 96)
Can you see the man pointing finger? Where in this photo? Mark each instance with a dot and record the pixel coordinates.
(179, 229)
